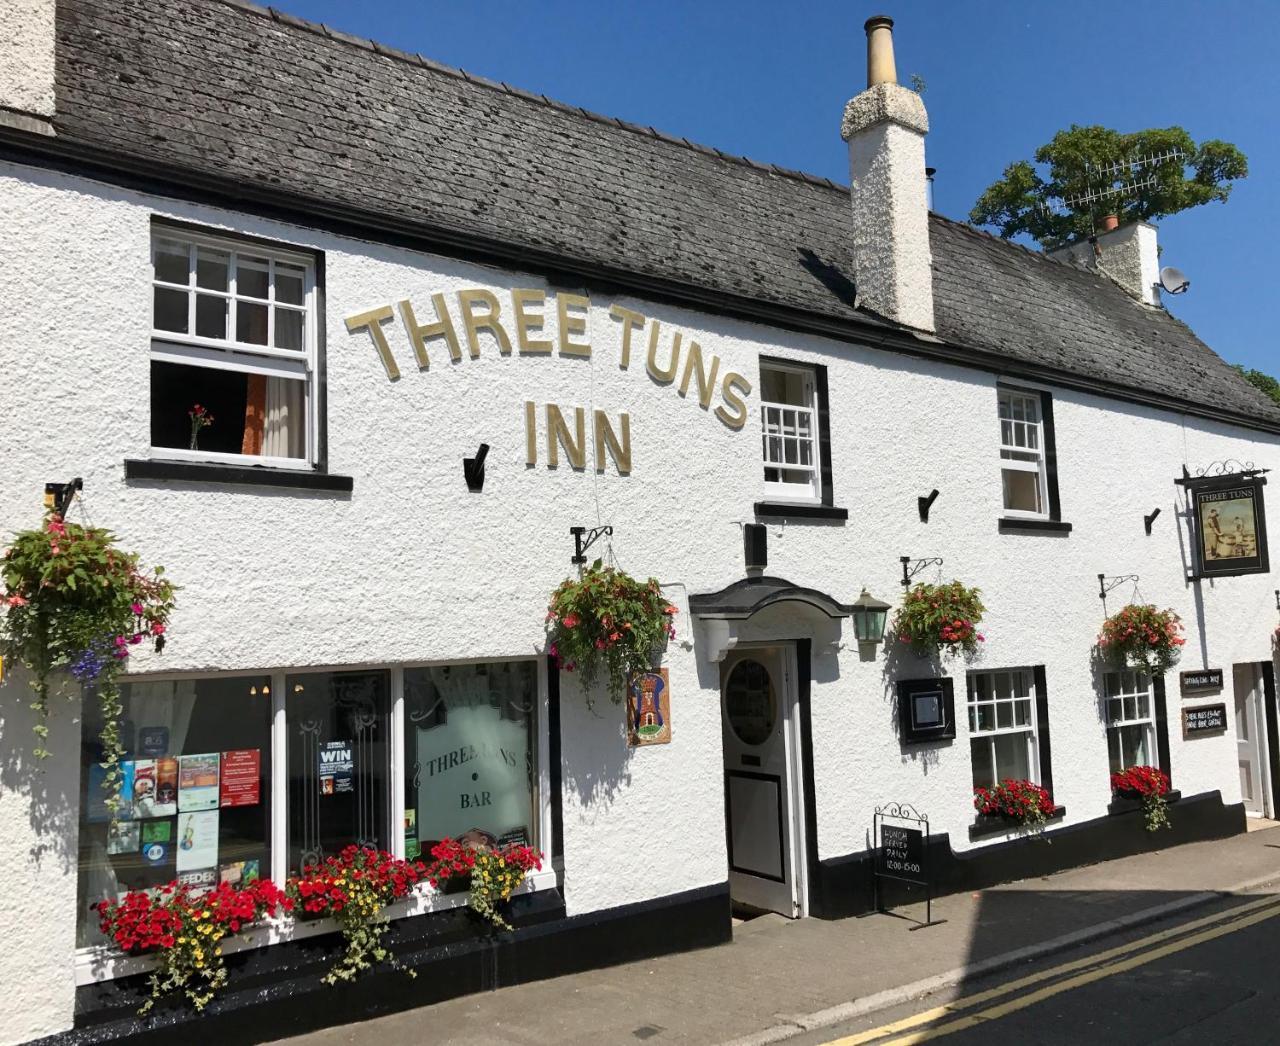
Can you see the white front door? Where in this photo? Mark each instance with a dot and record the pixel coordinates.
(1249, 731)
(762, 794)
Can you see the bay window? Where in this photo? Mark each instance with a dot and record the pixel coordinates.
(233, 777)
(233, 350)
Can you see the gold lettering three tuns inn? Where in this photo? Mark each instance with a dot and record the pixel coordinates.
(481, 310)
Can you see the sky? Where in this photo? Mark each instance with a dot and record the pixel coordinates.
(769, 80)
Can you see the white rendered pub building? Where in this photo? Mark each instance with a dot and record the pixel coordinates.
(776, 391)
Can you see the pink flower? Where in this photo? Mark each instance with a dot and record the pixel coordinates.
(56, 527)
(157, 629)
(570, 620)
(137, 608)
(121, 641)
(599, 644)
(16, 600)
(136, 638)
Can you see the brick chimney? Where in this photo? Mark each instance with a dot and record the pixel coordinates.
(885, 127)
(27, 64)
(1129, 255)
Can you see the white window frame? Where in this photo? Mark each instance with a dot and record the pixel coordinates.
(100, 962)
(773, 414)
(1148, 722)
(228, 354)
(1031, 729)
(1010, 451)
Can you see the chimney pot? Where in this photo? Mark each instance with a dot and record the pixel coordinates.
(880, 65)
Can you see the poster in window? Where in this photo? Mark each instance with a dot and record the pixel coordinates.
(1230, 526)
(412, 847)
(198, 782)
(149, 800)
(337, 768)
(157, 832)
(240, 873)
(123, 837)
(197, 840)
(473, 766)
(649, 708)
(153, 740)
(241, 777)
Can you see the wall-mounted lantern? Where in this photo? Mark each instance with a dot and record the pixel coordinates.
(869, 616)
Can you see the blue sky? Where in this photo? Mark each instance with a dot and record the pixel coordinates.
(769, 80)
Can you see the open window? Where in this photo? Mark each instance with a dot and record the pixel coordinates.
(794, 440)
(233, 351)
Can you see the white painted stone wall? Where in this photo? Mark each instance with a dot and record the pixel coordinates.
(27, 56)
(411, 567)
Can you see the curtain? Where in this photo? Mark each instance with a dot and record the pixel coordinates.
(285, 429)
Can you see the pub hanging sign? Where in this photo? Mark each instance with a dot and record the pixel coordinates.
(1228, 525)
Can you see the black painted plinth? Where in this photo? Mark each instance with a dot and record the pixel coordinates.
(275, 992)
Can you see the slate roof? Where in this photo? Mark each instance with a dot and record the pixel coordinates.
(226, 88)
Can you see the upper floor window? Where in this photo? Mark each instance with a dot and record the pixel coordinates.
(789, 431)
(233, 350)
(1023, 469)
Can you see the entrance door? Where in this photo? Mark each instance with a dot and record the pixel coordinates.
(762, 794)
(1249, 732)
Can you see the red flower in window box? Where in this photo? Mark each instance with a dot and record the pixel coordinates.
(494, 873)
(1017, 801)
(1149, 784)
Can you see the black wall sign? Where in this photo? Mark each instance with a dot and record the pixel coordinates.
(926, 710)
(1204, 719)
(1197, 681)
(1229, 526)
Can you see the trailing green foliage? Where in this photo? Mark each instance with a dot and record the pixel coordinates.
(1028, 199)
(940, 618)
(1264, 383)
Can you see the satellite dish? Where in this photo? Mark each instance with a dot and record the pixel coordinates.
(1173, 280)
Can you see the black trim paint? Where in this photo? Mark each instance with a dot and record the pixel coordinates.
(241, 475)
(988, 825)
(1042, 728)
(1273, 732)
(1050, 455)
(276, 991)
(776, 781)
(145, 174)
(1124, 804)
(554, 749)
(1010, 524)
(782, 510)
(1162, 726)
(824, 434)
(808, 785)
(842, 886)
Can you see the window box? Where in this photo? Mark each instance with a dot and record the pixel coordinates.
(1020, 525)
(1128, 803)
(781, 510)
(241, 475)
(985, 825)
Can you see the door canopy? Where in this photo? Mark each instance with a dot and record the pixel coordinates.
(764, 608)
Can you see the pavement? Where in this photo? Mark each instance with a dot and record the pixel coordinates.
(785, 980)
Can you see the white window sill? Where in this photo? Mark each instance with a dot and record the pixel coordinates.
(101, 962)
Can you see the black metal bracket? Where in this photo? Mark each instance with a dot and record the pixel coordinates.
(911, 567)
(925, 504)
(1221, 469)
(58, 496)
(584, 538)
(1278, 598)
(1106, 584)
(1148, 520)
(473, 469)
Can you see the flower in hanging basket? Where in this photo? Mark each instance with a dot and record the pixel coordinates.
(1017, 801)
(940, 618)
(73, 600)
(1151, 785)
(606, 623)
(1142, 637)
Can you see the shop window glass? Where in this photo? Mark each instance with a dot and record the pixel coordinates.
(470, 762)
(339, 724)
(196, 791)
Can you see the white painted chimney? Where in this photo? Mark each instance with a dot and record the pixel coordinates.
(27, 30)
(1129, 255)
(885, 127)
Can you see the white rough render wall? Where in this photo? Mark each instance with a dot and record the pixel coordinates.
(27, 56)
(412, 567)
(1130, 255)
(885, 127)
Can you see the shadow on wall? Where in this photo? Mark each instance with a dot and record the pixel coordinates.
(901, 662)
(595, 756)
(49, 787)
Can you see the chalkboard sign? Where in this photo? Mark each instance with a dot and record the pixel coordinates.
(1204, 719)
(902, 853)
(1198, 681)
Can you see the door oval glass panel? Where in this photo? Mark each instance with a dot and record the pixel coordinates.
(750, 702)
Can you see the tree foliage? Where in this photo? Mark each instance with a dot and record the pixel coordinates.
(1263, 382)
(1031, 197)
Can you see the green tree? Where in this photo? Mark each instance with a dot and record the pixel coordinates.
(1263, 382)
(1036, 198)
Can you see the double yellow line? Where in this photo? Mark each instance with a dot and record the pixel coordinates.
(933, 1024)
